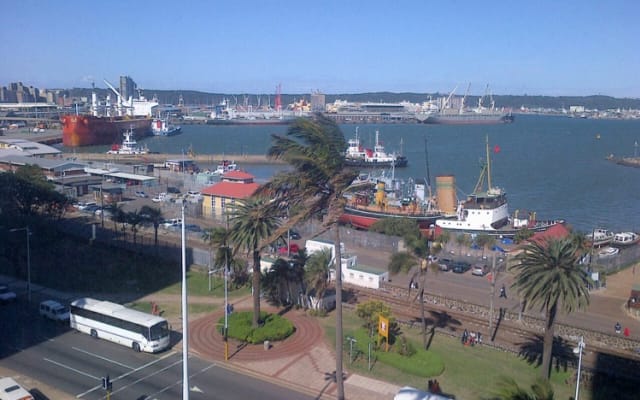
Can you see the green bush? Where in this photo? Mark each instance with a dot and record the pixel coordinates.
(274, 327)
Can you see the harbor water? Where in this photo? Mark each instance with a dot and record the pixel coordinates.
(554, 166)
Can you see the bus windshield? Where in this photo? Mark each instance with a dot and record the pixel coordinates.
(159, 331)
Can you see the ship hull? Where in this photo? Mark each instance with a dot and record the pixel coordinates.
(363, 219)
(87, 130)
(468, 119)
(507, 231)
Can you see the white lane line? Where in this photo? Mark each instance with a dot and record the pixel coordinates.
(103, 358)
(178, 383)
(129, 373)
(72, 369)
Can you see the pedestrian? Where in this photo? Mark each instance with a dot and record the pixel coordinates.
(618, 327)
(627, 332)
(478, 337)
(503, 292)
(465, 336)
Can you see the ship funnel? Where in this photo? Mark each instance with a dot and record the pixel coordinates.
(446, 194)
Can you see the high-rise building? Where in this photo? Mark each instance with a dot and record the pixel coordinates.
(127, 87)
(317, 102)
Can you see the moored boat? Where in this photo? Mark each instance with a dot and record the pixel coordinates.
(106, 121)
(129, 146)
(625, 239)
(164, 127)
(599, 237)
(486, 211)
(89, 130)
(358, 156)
(388, 198)
(225, 166)
(608, 252)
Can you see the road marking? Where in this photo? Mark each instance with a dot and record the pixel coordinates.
(127, 374)
(71, 369)
(102, 358)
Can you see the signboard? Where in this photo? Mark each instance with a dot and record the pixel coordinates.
(383, 328)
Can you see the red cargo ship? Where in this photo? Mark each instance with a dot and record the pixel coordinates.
(88, 130)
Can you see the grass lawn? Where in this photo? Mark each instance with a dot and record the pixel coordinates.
(198, 285)
(469, 372)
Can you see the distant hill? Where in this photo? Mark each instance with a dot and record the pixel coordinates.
(193, 97)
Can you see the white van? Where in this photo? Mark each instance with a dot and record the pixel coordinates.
(169, 223)
(11, 390)
(54, 310)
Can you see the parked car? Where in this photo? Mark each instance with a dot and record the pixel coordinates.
(6, 295)
(193, 228)
(91, 208)
(460, 267)
(11, 390)
(294, 235)
(173, 190)
(141, 194)
(169, 223)
(83, 205)
(160, 197)
(479, 269)
(293, 248)
(53, 310)
(445, 264)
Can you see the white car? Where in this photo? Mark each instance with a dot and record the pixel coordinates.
(11, 390)
(160, 198)
(54, 310)
(479, 269)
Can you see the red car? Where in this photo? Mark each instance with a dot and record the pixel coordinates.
(293, 249)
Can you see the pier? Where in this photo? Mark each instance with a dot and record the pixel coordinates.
(157, 158)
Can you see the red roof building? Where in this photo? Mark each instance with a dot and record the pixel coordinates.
(222, 197)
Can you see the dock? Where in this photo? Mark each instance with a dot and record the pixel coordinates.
(157, 158)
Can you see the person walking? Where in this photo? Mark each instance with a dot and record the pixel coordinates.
(503, 292)
(618, 327)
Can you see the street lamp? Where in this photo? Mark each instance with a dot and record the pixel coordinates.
(579, 351)
(26, 229)
(185, 320)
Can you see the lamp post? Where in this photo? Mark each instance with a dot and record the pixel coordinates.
(579, 351)
(226, 298)
(185, 319)
(28, 231)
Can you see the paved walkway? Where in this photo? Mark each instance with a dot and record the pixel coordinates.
(301, 362)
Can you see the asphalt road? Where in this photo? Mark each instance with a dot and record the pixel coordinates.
(75, 363)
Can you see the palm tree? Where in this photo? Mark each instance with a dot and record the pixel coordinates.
(316, 186)
(252, 222)
(133, 218)
(316, 275)
(549, 277)
(154, 216)
(508, 389)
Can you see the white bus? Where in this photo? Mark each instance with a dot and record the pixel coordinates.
(117, 323)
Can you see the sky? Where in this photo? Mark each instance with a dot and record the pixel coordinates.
(540, 47)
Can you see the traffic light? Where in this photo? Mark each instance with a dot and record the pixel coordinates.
(106, 383)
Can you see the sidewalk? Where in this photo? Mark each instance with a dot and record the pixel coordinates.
(303, 362)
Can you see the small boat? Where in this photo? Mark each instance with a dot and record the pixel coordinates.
(625, 239)
(608, 252)
(599, 237)
(163, 127)
(225, 166)
(129, 145)
(358, 156)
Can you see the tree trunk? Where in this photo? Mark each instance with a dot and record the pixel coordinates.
(547, 354)
(339, 334)
(256, 289)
